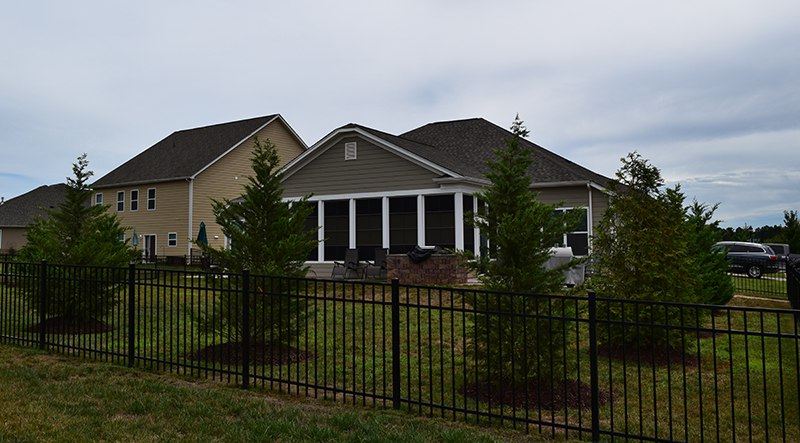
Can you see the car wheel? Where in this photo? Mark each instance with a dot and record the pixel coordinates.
(754, 271)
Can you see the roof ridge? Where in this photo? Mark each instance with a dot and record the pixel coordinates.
(227, 123)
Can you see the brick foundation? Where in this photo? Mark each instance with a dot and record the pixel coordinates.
(438, 269)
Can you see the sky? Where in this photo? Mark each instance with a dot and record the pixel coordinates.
(707, 91)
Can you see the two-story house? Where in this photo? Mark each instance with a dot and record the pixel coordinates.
(164, 193)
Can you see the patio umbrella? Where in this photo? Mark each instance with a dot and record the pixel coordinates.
(135, 238)
(202, 237)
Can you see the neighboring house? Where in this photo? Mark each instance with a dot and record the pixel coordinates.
(376, 190)
(164, 193)
(19, 212)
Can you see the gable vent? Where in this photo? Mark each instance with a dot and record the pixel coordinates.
(350, 151)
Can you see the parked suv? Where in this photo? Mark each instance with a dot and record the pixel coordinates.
(782, 251)
(753, 259)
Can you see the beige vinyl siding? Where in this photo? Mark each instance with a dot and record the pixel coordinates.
(374, 169)
(170, 215)
(12, 238)
(227, 177)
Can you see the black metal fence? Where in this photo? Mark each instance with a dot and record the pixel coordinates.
(759, 277)
(563, 366)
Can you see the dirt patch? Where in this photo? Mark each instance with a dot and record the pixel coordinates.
(71, 325)
(260, 353)
(546, 395)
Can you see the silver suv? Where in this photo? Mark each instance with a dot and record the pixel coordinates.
(753, 259)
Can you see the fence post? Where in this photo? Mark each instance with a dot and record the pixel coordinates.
(396, 343)
(131, 313)
(246, 329)
(593, 370)
(42, 303)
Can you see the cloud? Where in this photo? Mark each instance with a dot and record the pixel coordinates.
(706, 90)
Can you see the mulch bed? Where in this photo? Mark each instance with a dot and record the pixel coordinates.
(67, 325)
(546, 395)
(260, 353)
(647, 356)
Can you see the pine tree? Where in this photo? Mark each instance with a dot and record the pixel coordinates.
(643, 252)
(714, 284)
(86, 236)
(520, 231)
(267, 237)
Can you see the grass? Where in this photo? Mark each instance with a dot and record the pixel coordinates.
(58, 398)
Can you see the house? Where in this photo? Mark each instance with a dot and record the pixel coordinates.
(19, 212)
(165, 192)
(373, 190)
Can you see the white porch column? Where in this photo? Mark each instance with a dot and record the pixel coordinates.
(458, 211)
(321, 230)
(476, 231)
(421, 220)
(352, 219)
(385, 222)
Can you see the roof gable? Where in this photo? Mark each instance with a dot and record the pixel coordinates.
(20, 211)
(183, 154)
(426, 156)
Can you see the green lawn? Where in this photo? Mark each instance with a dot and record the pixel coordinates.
(45, 397)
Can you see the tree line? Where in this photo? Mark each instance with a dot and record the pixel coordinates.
(788, 233)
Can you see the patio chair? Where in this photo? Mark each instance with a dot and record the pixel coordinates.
(376, 269)
(349, 268)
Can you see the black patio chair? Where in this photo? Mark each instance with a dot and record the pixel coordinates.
(349, 268)
(376, 269)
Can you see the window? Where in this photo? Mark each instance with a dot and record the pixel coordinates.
(369, 227)
(440, 221)
(134, 200)
(151, 199)
(578, 239)
(337, 229)
(121, 238)
(172, 239)
(120, 201)
(350, 151)
(98, 198)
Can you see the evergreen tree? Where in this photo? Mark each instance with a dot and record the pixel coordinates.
(714, 284)
(643, 252)
(791, 231)
(268, 237)
(87, 236)
(521, 232)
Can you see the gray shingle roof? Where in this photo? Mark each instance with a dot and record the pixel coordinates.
(470, 143)
(183, 153)
(21, 210)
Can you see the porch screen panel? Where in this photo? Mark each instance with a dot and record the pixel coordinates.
(440, 225)
(337, 229)
(469, 230)
(312, 225)
(402, 224)
(369, 227)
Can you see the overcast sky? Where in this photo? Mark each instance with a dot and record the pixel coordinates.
(708, 91)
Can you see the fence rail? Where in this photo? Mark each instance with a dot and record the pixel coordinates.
(563, 366)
